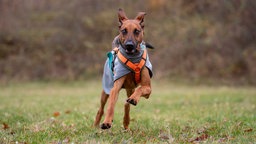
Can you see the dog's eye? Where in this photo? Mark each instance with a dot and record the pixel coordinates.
(136, 32)
(124, 31)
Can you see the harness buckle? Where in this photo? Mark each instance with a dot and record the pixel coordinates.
(137, 70)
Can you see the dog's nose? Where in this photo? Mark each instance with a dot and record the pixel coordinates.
(129, 45)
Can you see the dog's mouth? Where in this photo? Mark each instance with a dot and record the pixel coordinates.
(130, 47)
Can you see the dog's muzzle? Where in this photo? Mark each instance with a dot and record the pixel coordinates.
(130, 47)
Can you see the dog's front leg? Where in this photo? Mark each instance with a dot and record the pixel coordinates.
(144, 90)
(112, 101)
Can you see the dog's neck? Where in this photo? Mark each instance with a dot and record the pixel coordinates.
(135, 57)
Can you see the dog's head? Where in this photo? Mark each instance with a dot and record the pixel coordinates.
(131, 31)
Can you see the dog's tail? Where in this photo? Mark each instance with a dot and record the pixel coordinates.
(148, 45)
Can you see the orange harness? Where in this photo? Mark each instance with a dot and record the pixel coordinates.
(135, 67)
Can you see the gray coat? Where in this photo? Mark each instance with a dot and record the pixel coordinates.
(119, 68)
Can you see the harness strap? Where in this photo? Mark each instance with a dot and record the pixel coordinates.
(136, 67)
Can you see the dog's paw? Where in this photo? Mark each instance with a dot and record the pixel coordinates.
(105, 126)
(131, 101)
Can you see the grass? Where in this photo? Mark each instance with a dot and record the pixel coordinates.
(41, 112)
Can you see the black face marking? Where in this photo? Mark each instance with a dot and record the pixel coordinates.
(136, 32)
(124, 31)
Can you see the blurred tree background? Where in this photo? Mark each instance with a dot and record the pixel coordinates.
(194, 40)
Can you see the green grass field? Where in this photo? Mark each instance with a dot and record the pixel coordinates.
(40, 112)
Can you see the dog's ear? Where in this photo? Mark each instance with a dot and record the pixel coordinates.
(121, 16)
(140, 18)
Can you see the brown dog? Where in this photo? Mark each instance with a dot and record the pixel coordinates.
(130, 39)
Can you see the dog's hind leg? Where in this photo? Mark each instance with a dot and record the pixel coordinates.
(104, 98)
(126, 120)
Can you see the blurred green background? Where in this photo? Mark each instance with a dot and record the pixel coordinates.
(201, 41)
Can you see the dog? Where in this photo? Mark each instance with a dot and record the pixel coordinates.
(127, 67)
